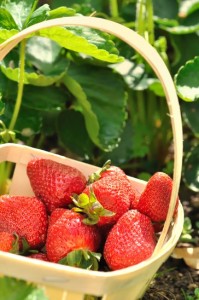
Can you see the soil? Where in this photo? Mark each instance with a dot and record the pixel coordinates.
(175, 280)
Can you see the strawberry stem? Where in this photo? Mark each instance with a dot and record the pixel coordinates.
(97, 175)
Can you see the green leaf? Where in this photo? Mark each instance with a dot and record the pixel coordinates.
(140, 146)
(187, 80)
(133, 74)
(45, 99)
(186, 25)
(156, 87)
(37, 294)
(94, 88)
(91, 120)
(49, 122)
(31, 78)
(181, 29)
(189, 44)
(19, 9)
(165, 9)
(6, 34)
(124, 152)
(15, 289)
(190, 115)
(6, 20)
(45, 56)
(196, 292)
(187, 7)
(28, 121)
(136, 77)
(70, 124)
(39, 15)
(187, 226)
(90, 206)
(84, 40)
(60, 12)
(191, 169)
(81, 258)
(42, 55)
(82, 7)
(83, 200)
(165, 22)
(8, 89)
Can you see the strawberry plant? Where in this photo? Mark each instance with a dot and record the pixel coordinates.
(187, 84)
(15, 289)
(195, 296)
(48, 64)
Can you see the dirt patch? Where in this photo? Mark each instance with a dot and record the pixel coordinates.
(173, 281)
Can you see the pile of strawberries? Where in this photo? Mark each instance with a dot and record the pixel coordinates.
(98, 223)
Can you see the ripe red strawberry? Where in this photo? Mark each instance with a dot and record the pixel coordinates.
(113, 191)
(135, 200)
(54, 183)
(40, 256)
(24, 216)
(9, 242)
(67, 233)
(130, 241)
(154, 200)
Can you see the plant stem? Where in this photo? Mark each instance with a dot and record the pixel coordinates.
(151, 107)
(132, 107)
(140, 17)
(20, 86)
(144, 20)
(149, 9)
(30, 14)
(5, 171)
(114, 8)
(40, 141)
(140, 23)
(141, 106)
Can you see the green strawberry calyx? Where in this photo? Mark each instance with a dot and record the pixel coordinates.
(15, 244)
(82, 258)
(91, 207)
(25, 248)
(97, 175)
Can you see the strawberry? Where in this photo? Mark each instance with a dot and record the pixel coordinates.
(130, 241)
(67, 232)
(9, 242)
(112, 190)
(39, 255)
(154, 200)
(24, 216)
(135, 199)
(54, 183)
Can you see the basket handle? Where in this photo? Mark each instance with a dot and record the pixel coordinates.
(155, 61)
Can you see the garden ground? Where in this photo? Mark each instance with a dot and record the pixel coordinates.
(175, 280)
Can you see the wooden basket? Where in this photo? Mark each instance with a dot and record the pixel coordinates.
(63, 282)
